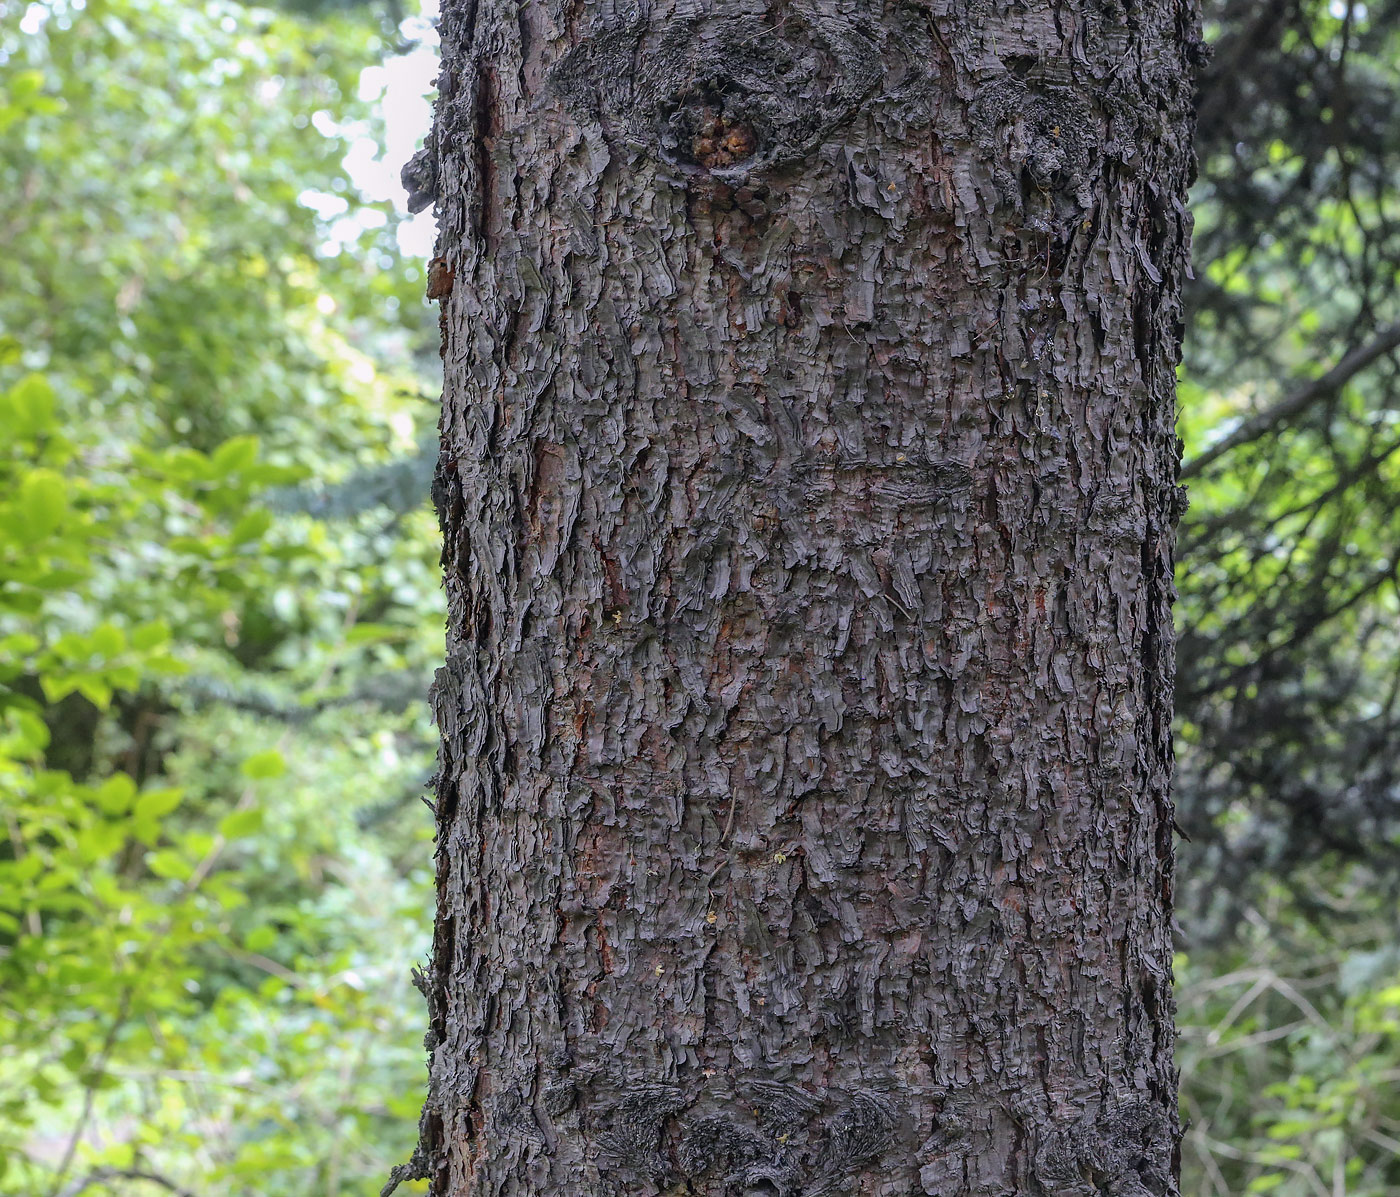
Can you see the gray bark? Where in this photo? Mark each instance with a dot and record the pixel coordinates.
(808, 480)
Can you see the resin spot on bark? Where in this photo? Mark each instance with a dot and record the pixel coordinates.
(704, 130)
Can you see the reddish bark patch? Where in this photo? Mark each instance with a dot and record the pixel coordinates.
(441, 276)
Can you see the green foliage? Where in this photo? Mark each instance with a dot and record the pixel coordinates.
(1288, 690)
(1290, 1049)
(1288, 682)
(204, 944)
(219, 609)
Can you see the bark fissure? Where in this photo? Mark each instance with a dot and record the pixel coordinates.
(807, 488)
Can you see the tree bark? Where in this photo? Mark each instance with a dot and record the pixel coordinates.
(808, 481)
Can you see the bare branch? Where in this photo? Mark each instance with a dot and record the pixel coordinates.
(1285, 409)
(99, 1175)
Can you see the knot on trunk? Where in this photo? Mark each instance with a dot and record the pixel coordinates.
(1040, 135)
(419, 177)
(727, 96)
(704, 130)
(749, 1135)
(1124, 1151)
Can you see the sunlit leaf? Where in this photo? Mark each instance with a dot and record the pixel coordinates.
(264, 765)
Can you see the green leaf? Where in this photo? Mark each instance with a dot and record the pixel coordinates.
(31, 734)
(264, 765)
(149, 635)
(20, 644)
(61, 578)
(253, 525)
(114, 796)
(75, 1057)
(260, 939)
(100, 841)
(240, 823)
(57, 686)
(31, 406)
(95, 690)
(169, 864)
(24, 84)
(156, 804)
(42, 505)
(26, 868)
(234, 455)
(366, 633)
(108, 640)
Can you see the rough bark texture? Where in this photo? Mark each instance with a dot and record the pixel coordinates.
(808, 482)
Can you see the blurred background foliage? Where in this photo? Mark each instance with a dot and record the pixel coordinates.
(219, 606)
(1288, 695)
(214, 864)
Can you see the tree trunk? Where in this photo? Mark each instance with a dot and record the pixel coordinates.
(808, 481)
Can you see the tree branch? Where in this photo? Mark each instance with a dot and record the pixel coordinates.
(1285, 409)
(98, 1175)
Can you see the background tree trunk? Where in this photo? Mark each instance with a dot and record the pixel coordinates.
(807, 484)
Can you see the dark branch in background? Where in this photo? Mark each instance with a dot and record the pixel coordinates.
(376, 813)
(90, 1092)
(395, 691)
(1289, 659)
(398, 486)
(106, 1175)
(1277, 417)
(1287, 693)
